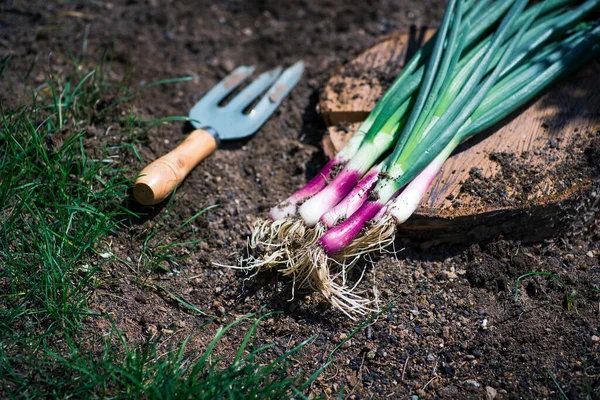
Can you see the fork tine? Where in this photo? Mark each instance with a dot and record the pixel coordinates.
(228, 84)
(229, 122)
(253, 90)
(271, 100)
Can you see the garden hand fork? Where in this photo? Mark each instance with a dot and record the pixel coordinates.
(214, 123)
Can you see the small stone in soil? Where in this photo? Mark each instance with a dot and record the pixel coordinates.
(491, 392)
(446, 332)
(472, 382)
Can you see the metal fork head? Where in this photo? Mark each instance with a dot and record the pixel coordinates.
(230, 121)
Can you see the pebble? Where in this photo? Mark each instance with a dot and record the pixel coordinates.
(382, 353)
(152, 329)
(448, 275)
(484, 324)
(351, 380)
(430, 357)
(595, 338)
(491, 392)
(472, 382)
(446, 332)
(219, 309)
(228, 65)
(141, 298)
(590, 254)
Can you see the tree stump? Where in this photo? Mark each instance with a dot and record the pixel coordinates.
(533, 175)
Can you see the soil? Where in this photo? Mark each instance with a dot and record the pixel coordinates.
(517, 184)
(456, 331)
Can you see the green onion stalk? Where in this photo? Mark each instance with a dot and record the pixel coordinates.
(436, 82)
(379, 129)
(446, 119)
(463, 80)
(475, 110)
(512, 92)
(390, 114)
(274, 241)
(532, 40)
(384, 212)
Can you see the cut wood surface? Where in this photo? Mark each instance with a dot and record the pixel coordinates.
(479, 194)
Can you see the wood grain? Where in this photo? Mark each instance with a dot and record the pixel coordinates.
(157, 180)
(351, 94)
(541, 137)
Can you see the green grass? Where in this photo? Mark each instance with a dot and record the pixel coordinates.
(560, 390)
(156, 253)
(61, 201)
(569, 294)
(121, 371)
(57, 202)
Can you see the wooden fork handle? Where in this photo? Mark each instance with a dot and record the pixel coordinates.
(159, 179)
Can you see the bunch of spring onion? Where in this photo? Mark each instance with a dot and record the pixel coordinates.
(487, 59)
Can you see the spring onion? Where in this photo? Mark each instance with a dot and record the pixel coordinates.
(477, 70)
